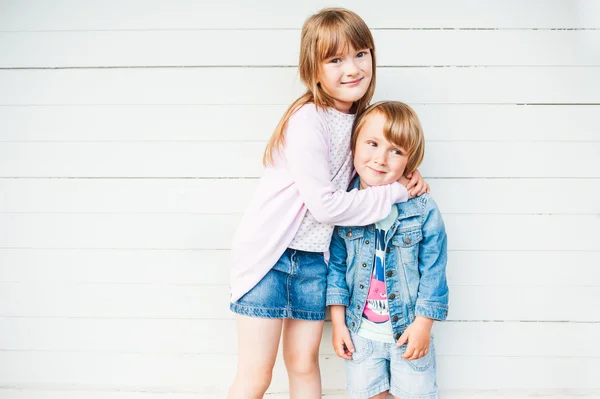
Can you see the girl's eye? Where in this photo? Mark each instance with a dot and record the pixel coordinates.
(361, 54)
(372, 143)
(397, 152)
(336, 60)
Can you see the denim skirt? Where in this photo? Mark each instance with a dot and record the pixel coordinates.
(294, 288)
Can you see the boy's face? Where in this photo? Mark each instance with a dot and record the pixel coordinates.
(376, 160)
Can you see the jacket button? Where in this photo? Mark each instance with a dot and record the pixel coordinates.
(392, 296)
(388, 250)
(367, 242)
(357, 306)
(362, 286)
(364, 265)
(397, 337)
(406, 239)
(393, 227)
(389, 274)
(349, 234)
(395, 318)
(353, 324)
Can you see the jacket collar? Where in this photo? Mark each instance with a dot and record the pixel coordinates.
(406, 209)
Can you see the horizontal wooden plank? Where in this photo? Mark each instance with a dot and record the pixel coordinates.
(206, 267)
(184, 14)
(515, 339)
(140, 231)
(493, 303)
(115, 266)
(163, 373)
(254, 48)
(448, 122)
(493, 85)
(328, 394)
(235, 160)
(230, 196)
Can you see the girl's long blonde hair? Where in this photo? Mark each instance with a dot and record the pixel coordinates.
(329, 32)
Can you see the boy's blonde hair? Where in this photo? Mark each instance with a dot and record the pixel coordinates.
(329, 32)
(402, 128)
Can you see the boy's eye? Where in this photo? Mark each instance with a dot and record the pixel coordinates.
(336, 60)
(397, 152)
(361, 54)
(372, 143)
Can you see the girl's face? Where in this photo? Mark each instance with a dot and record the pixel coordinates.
(376, 160)
(346, 77)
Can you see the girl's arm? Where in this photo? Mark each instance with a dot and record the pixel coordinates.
(306, 152)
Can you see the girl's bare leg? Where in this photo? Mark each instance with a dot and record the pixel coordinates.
(258, 341)
(301, 339)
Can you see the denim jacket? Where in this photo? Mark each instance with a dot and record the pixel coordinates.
(414, 269)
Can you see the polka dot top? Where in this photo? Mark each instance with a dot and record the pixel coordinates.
(314, 236)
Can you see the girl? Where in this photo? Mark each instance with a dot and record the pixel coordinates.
(279, 272)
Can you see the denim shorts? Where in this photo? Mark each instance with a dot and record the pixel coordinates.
(294, 288)
(377, 367)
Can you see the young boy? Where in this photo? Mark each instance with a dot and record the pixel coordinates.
(386, 283)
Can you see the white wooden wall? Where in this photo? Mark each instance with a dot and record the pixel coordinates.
(131, 134)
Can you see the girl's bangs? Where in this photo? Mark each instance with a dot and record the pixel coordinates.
(338, 39)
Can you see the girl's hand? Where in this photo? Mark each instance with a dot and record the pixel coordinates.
(418, 336)
(414, 183)
(342, 343)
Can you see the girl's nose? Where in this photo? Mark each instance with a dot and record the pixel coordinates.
(352, 68)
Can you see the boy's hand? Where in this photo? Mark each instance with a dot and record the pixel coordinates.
(418, 337)
(342, 343)
(414, 183)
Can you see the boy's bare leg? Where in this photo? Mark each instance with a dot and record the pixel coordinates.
(382, 395)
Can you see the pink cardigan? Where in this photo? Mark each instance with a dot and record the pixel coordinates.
(299, 180)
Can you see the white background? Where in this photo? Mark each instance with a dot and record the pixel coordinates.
(131, 135)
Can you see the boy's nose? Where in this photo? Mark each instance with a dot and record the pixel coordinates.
(379, 159)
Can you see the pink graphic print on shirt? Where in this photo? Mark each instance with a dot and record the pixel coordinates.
(376, 308)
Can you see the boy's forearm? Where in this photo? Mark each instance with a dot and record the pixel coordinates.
(338, 314)
(424, 321)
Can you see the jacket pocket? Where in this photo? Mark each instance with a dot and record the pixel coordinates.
(406, 243)
(351, 234)
(407, 239)
(353, 238)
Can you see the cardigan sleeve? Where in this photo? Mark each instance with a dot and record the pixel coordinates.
(306, 151)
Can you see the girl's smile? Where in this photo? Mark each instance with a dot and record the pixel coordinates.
(353, 82)
(346, 77)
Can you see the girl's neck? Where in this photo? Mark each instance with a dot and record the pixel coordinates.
(344, 110)
(342, 107)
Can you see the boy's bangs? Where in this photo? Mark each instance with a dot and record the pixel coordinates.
(398, 132)
(399, 138)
